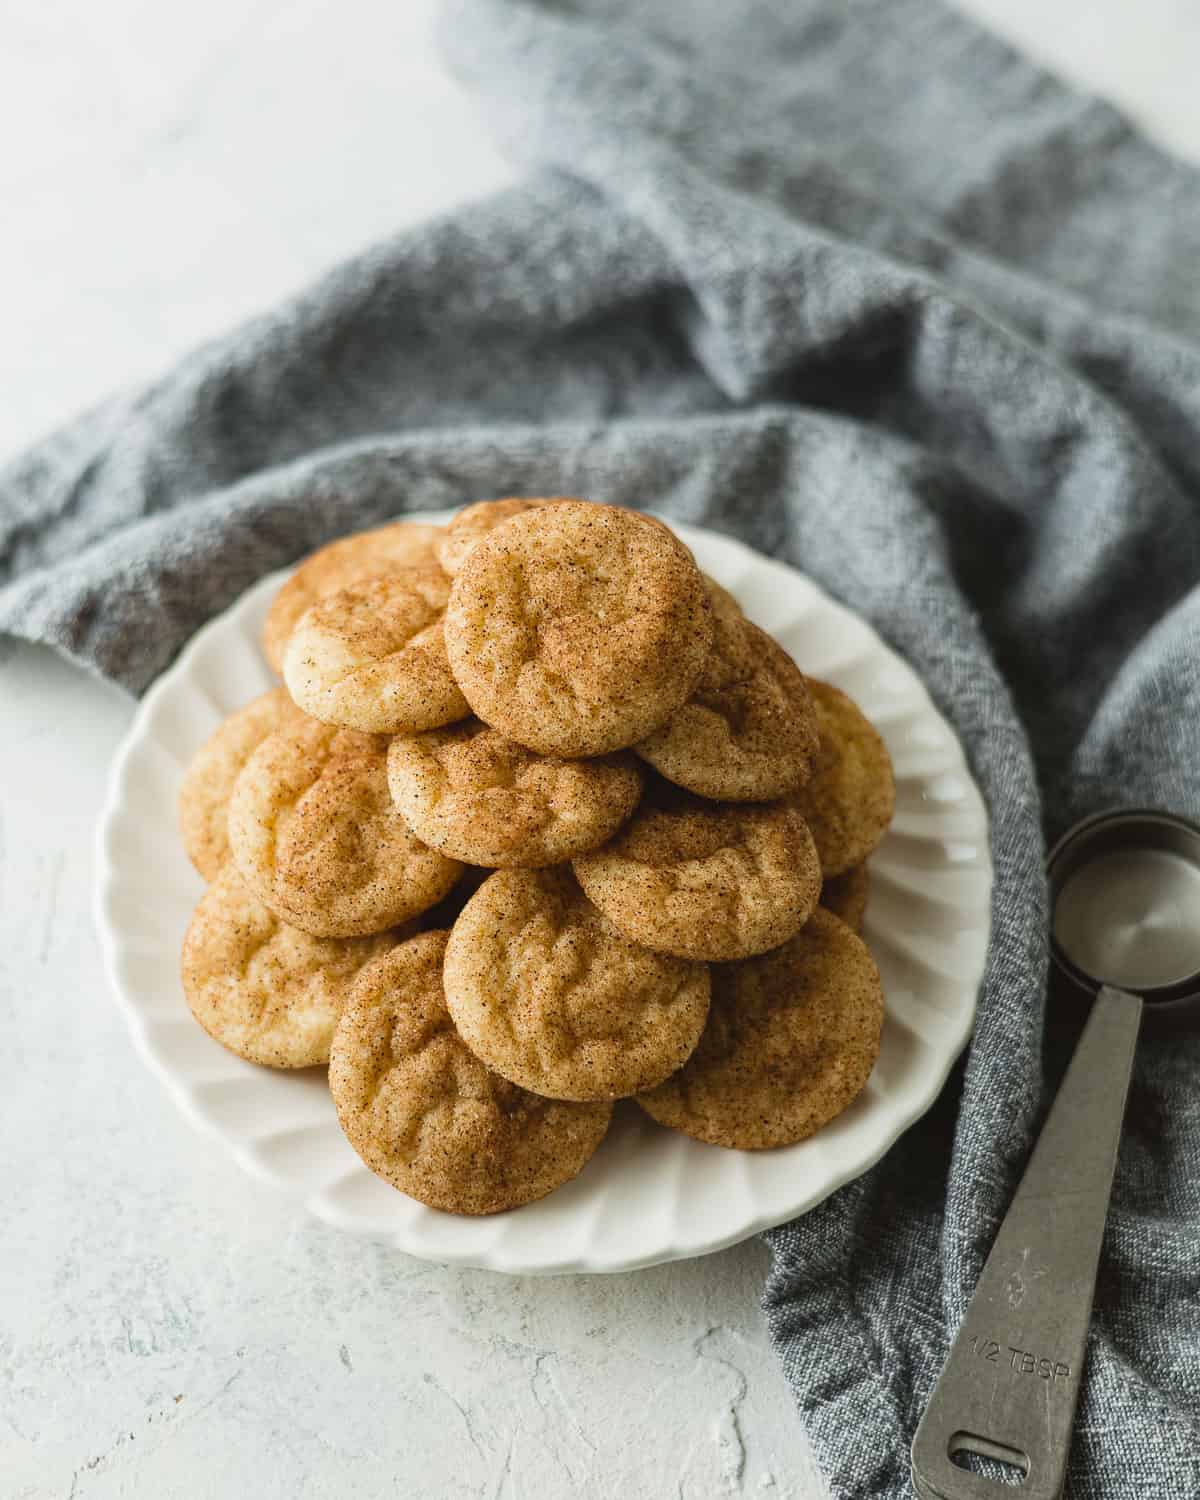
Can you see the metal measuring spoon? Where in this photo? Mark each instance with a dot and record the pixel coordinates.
(1125, 902)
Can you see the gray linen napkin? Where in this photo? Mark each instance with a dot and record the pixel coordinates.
(861, 285)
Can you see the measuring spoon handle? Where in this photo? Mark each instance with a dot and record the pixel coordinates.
(1011, 1382)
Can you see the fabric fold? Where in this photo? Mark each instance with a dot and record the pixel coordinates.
(866, 288)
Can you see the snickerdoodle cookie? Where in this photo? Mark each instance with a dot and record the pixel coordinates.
(473, 523)
(726, 612)
(402, 544)
(373, 656)
(791, 1039)
(446, 912)
(265, 990)
(427, 1116)
(846, 896)
(548, 994)
(577, 629)
(705, 880)
(479, 797)
(204, 795)
(849, 799)
(318, 839)
(748, 733)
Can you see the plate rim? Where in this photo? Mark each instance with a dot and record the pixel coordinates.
(106, 883)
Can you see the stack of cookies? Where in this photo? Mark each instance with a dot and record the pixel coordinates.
(539, 821)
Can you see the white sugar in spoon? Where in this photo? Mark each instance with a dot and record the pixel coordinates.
(1125, 888)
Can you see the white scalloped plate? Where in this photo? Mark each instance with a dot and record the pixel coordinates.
(648, 1195)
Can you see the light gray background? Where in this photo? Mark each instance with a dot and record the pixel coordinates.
(167, 1327)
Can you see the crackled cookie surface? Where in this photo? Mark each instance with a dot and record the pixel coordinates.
(727, 615)
(372, 656)
(318, 839)
(351, 558)
(208, 784)
(748, 733)
(262, 988)
(705, 880)
(548, 994)
(473, 523)
(790, 1042)
(846, 896)
(482, 798)
(578, 629)
(849, 799)
(426, 1115)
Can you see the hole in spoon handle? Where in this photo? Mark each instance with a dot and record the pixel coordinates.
(1012, 1378)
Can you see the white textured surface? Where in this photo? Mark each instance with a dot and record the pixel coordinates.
(167, 170)
(649, 1195)
(171, 169)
